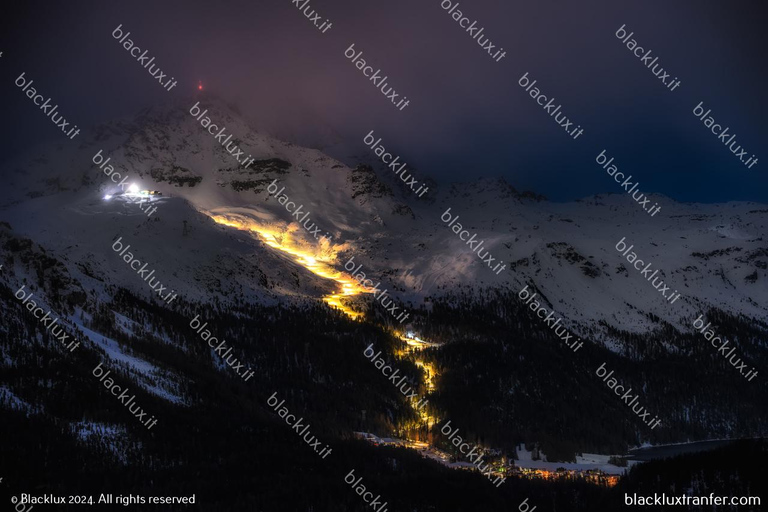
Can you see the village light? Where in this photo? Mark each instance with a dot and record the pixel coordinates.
(133, 188)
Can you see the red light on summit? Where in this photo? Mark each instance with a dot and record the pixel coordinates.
(199, 86)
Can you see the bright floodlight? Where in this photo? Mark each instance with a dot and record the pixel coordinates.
(133, 188)
(107, 197)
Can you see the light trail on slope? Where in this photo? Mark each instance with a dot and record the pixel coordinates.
(318, 260)
(414, 344)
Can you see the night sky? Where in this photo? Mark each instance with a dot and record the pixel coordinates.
(467, 118)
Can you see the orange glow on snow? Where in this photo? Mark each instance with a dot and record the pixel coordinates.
(317, 259)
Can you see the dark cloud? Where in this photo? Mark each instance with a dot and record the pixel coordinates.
(467, 116)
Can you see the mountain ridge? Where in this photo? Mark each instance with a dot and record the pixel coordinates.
(565, 250)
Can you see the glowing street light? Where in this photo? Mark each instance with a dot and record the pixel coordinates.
(107, 197)
(133, 188)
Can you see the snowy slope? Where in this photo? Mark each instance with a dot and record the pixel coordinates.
(714, 255)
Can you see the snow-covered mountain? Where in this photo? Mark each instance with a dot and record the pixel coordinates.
(714, 255)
